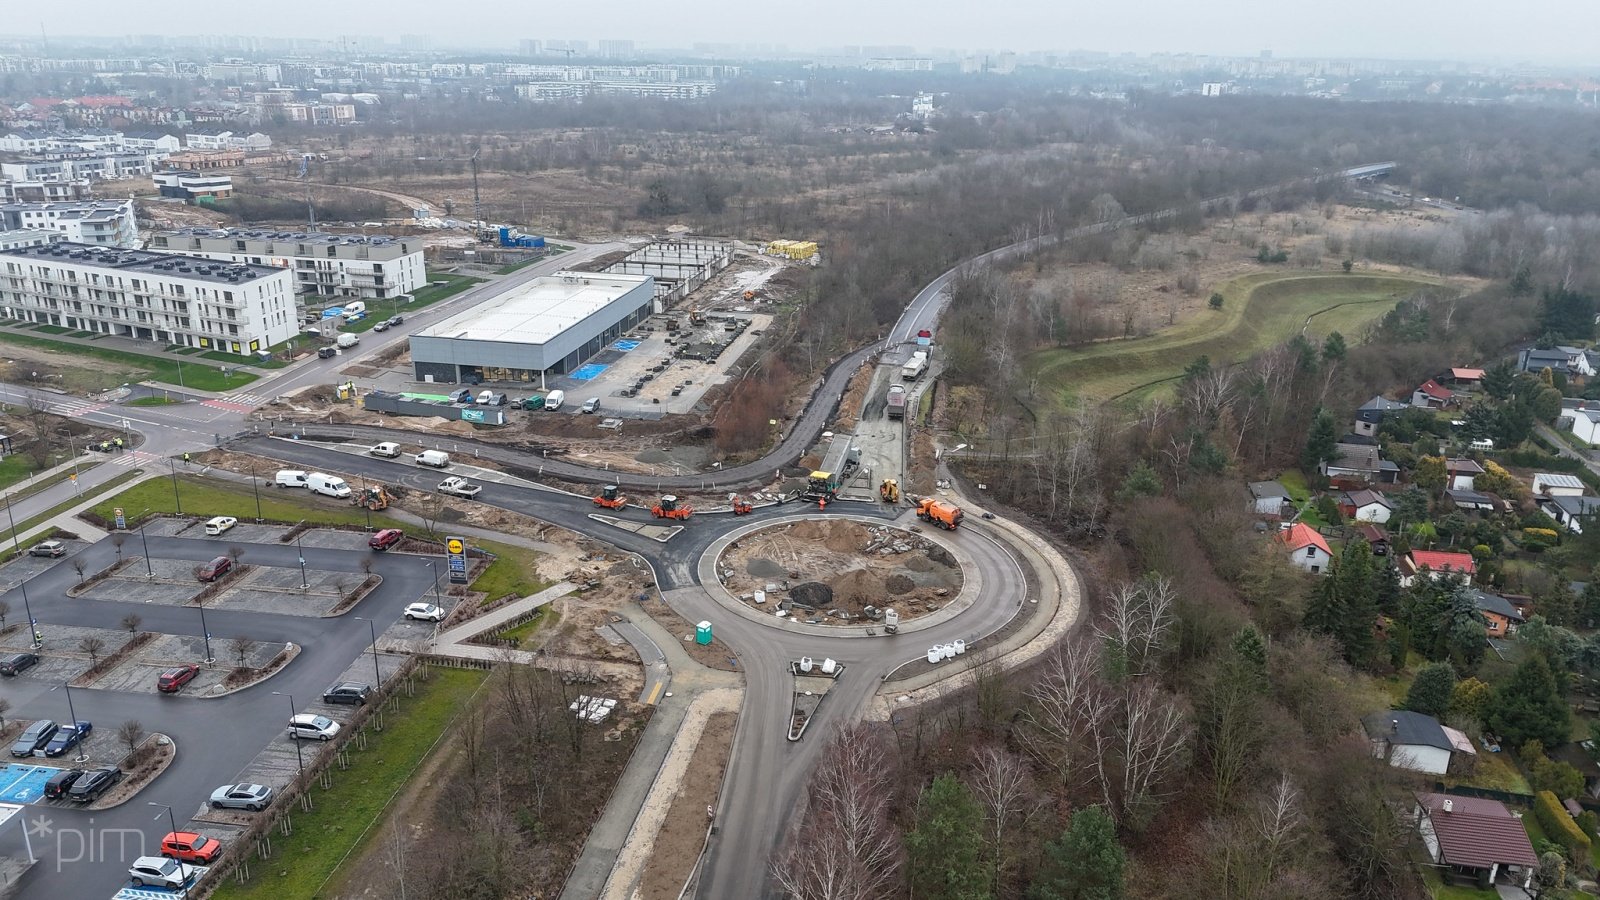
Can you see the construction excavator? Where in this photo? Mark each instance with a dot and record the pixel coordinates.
(610, 499)
(741, 506)
(668, 508)
(372, 497)
(889, 491)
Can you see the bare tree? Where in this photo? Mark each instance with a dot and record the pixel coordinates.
(132, 621)
(1069, 711)
(1136, 620)
(5, 610)
(240, 648)
(92, 645)
(236, 553)
(845, 846)
(131, 734)
(1001, 785)
(5, 707)
(117, 540)
(1150, 742)
(78, 566)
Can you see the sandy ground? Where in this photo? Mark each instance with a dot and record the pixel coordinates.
(651, 838)
(863, 565)
(683, 833)
(855, 394)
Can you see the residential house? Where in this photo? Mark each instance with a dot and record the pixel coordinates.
(1376, 537)
(1360, 461)
(1469, 499)
(1466, 379)
(1462, 473)
(1431, 395)
(1365, 506)
(1557, 484)
(1371, 414)
(1502, 616)
(1476, 838)
(1569, 361)
(1436, 563)
(1570, 511)
(1307, 548)
(1411, 740)
(1269, 498)
(1582, 418)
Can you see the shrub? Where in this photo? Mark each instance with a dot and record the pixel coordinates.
(1590, 823)
(1559, 826)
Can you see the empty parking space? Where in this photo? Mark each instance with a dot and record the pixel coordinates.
(24, 783)
(139, 673)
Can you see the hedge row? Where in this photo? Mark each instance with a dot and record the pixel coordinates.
(1559, 826)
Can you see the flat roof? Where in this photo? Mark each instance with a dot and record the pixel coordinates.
(536, 311)
(263, 234)
(167, 265)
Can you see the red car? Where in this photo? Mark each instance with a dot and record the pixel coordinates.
(187, 846)
(215, 569)
(175, 678)
(386, 538)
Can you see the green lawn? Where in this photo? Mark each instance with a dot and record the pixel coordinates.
(10, 536)
(1261, 311)
(1441, 891)
(132, 366)
(336, 827)
(237, 360)
(381, 310)
(151, 401)
(1497, 772)
(507, 270)
(206, 497)
(15, 468)
(547, 618)
(512, 572)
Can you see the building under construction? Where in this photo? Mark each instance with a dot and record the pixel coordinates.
(678, 267)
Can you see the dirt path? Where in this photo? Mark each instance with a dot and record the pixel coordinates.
(683, 833)
(657, 834)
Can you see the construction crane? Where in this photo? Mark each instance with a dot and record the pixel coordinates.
(477, 199)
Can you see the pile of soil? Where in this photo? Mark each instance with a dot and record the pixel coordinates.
(812, 594)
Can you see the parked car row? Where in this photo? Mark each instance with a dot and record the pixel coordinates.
(46, 738)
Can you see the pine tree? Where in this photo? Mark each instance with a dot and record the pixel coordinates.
(1319, 442)
(1431, 692)
(944, 845)
(1085, 863)
(1344, 605)
(1251, 649)
(1498, 380)
(1528, 706)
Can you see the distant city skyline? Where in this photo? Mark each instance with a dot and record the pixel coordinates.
(1540, 31)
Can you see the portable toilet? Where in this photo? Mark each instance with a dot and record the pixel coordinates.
(702, 633)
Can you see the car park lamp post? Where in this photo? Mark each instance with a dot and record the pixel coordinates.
(144, 517)
(300, 550)
(33, 624)
(15, 545)
(210, 660)
(435, 572)
(377, 679)
(173, 821)
(73, 713)
(297, 752)
(176, 499)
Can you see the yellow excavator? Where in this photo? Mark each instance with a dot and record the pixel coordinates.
(889, 491)
(372, 497)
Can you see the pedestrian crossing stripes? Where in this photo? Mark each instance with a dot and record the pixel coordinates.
(134, 458)
(229, 405)
(75, 407)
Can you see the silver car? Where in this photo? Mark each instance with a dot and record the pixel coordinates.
(254, 797)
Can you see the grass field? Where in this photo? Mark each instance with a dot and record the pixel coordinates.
(336, 827)
(205, 497)
(547, 618)
(1259, 312)
(512, 572)
(15, 468)
(129, 367)
(381, 310)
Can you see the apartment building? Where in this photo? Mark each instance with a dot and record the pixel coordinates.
(27, 237)
(103, 223)
(194, 186)
(162, 298)
(353, 266)
(44, 191)
(226, 140)
(60, 166)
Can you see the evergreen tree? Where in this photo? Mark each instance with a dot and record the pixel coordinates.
(1568, 315)
(1431, 692)
(1589, 604)
(1319, 442)
(1470, 700)
(944, 845)
(1251, 649)
(1528, 706)
(1085, 863)
(1344, 606)
(1497, 380)
(1142, 481)
(1334, 349)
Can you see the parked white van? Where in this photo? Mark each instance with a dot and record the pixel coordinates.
(327, 485)
(554, 400)
(290, 478)
(354, 310)
(387, 449)
(435, 458)
(591, 405)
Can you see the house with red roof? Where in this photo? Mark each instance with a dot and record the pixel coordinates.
(1466, 378)
(1307, 549)
(1476, 839)
(1431, 395)
(1436, 564)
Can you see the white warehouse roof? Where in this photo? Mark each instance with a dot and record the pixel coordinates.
(538, 310)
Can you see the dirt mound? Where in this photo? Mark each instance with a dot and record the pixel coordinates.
(899, 584)
(859, 588)
(837, 535)
(813, 594)
(918, 563)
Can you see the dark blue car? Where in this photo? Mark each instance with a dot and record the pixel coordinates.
(67, 738)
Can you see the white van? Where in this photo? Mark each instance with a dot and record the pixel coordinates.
(485, 398)
(387, 450)
(1482, 444)
(554, 400)
(591, 405)
(354, 310)
(327, 485)
(290, 478)
(435, 458)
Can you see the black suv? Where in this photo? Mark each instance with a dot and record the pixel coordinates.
(326, 353)
(61, 783)
(352, 692)
(17, 663)
(91, 784)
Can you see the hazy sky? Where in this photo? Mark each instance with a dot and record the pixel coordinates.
(1544, 30)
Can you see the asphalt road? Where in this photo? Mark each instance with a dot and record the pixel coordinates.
(215, 737)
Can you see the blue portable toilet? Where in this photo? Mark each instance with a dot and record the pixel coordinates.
(702, 634)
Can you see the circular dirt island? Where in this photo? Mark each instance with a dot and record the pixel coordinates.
(840, 572)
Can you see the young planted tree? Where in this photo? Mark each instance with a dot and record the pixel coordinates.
(240, 648)
(131, 734)
(132, 621)
(92, 645)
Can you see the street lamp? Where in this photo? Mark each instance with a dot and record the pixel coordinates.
(14, 543)
(299, 754)
(210, 660)
(33, 624)
(143, 518)
(435, 572)
(177, 500)
(305, 583)
(82, 756)
(256, 486)
(173, 821)
(377, 678)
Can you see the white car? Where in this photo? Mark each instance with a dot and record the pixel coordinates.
(159, 871)
(312, 726)
(387, 449)
(254, 797)
(220, 524)
(424, 612)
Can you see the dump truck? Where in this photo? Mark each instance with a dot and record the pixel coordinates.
(610, 499)
(696, 317)
(456, 486)
(821, 486)
(914, 368)
(741, 506)
(372, 497)
(897, 401)
(668, 508)
(889, 491)
(945, 515)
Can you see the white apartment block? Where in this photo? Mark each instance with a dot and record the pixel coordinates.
(26, 237)
(155, 297)
(44, 191)
(59, 166)
(103, 223)
(226, 140)
(326, 266)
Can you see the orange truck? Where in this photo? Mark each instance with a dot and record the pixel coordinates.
(945, 515)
